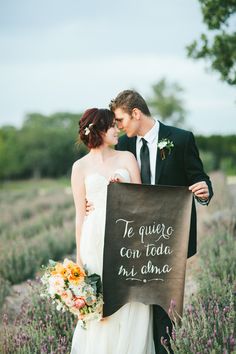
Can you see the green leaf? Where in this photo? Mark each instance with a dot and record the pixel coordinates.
(52, 263)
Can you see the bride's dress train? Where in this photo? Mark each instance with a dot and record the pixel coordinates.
(129, 330)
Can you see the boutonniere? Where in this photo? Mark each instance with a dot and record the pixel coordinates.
(164, 145)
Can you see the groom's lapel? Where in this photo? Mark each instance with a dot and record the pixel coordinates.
(164, 132)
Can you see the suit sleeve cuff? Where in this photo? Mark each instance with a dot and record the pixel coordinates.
(202, 201)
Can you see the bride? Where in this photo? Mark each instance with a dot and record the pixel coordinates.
(129, 330)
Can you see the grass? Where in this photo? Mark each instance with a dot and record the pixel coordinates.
(34, 184)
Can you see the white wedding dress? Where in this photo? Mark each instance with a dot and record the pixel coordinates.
(129, 330)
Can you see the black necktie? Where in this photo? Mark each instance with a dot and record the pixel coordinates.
(145, 163)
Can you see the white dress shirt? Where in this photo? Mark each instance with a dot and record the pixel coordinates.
(152, 140)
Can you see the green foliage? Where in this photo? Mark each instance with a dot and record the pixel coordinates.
(209, 160)
(220, 50)
(10, 152)
(218, 152)
(217, 12)
(4, 290)
(227, 165)
(167, 102)
(44, 146)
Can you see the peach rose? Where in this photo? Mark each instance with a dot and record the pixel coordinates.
(56, 285)
(67, 297)
(79, 303)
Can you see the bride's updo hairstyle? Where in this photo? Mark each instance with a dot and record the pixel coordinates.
(93, 124)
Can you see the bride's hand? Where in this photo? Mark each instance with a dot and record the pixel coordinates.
(116, 178)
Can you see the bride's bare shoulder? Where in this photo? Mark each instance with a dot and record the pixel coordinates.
(125, 155)
(80, 164)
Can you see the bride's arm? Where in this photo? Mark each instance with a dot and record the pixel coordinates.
(132, 166)
(78, 190)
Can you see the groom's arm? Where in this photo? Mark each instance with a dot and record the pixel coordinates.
(198, 180)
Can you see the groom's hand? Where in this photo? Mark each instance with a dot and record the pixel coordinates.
(200, 190)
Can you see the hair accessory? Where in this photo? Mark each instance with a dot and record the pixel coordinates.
(87, 130)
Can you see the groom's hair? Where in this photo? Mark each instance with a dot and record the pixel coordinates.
(93, 124)
(128, 100)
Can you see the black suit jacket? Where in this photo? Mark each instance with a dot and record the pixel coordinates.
(182, 167)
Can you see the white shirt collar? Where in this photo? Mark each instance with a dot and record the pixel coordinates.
(151, 135)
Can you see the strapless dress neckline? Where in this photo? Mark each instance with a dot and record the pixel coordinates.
(122, 171)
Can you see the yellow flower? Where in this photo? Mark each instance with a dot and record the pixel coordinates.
(75, 274)
(59, 269)
(69, 270)
(67, 263)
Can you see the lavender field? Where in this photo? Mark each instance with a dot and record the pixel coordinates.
(37, 223)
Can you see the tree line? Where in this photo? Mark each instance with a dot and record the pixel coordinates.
(47, 146)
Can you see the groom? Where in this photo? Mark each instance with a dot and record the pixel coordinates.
(182, 167)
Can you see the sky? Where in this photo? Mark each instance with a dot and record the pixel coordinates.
(58, 55)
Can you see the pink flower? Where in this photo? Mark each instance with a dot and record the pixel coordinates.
(67, 297)
(56, 285)
(79, 303)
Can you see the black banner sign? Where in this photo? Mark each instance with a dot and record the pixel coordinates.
(146, 242)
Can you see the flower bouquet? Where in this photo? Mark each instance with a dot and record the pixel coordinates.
(72, 289)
